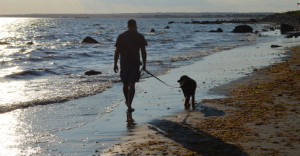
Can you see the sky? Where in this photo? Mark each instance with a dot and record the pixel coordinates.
(144, 6)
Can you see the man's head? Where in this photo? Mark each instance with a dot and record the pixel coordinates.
(132, 24)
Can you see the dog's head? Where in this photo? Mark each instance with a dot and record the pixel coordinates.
(182, 78)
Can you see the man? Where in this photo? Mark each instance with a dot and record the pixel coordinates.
(128, 47)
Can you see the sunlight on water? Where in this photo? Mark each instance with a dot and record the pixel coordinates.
(14, 135)
(12, 92)
(10, 27)
(8, 71)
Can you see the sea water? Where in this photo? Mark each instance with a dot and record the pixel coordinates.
(43, 60)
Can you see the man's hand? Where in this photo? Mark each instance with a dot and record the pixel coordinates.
(116, 68)
(144, 67)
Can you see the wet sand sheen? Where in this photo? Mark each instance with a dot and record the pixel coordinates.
(261, 117)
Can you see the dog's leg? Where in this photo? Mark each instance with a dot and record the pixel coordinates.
(193, 101)
(187, 102)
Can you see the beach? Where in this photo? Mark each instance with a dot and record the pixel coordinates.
(259, 116)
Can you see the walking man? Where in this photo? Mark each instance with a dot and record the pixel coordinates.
(128, 47)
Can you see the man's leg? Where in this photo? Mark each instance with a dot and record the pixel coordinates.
(125, 91)
(131, 92)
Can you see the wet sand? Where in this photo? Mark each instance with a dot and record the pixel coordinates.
(260, 116)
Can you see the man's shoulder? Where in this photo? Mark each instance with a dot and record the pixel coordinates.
(129, 33)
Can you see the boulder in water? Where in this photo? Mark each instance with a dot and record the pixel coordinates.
(152, 30)
(29, 43)
(275, 46)
(89, 40)
(243, 29)
(92, 72)
(218, 30)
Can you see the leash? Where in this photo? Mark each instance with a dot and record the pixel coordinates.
(160, 79)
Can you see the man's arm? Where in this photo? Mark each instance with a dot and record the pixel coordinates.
(144, 57)
(116, 58)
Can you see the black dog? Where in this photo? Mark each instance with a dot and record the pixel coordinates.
(188, 87)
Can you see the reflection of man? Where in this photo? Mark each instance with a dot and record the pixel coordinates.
(128, 47)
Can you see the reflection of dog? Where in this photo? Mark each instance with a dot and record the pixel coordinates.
(188, 87)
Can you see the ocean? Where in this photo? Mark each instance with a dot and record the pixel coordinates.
(43, 61)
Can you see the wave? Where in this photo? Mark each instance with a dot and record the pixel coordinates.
(166, 39)
(85, 54)
(47, 99)
(203, 53)
(29, 74)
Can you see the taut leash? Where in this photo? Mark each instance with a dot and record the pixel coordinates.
(160, 79)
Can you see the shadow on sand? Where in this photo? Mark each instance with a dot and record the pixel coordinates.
(195, 139)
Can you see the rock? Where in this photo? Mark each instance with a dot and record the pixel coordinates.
(171, 22)
(4, 43)
(218, 30)
(243, 29)
(89, 40)
(286, 28)
(92, 72)
(272, 28)
(152, 30)
(291, 35)
(29, 43)
(167, 27)
(275, 46)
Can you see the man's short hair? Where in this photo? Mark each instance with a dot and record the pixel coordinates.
(131, 23)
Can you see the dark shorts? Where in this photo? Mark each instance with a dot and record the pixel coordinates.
(130, 76)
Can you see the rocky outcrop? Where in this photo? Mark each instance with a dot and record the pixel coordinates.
(89, 40)
(291, 35)
(291, 18)
(284, 28)
(243, 29)
(152, 30)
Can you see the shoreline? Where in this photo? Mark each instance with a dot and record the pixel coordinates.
(260, 117)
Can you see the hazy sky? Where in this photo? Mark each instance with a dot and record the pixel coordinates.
(134, 6)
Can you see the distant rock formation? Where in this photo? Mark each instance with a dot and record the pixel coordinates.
(89, 40)
(284, 28)
(92, 72)
(152, 30)
(243, 29)
(291, 35)
(291, 18)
